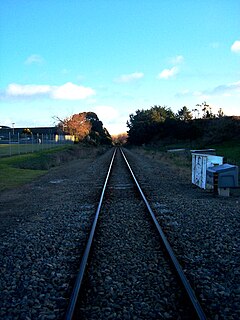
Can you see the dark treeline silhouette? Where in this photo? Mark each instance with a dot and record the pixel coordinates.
(161, 124)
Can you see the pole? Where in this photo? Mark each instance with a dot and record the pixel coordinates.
(215, 184)
(9, 142)
(18, 144)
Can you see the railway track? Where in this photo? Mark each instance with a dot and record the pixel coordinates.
(128, 270)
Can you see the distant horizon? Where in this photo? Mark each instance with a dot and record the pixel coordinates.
(114, 134)
(116, 58)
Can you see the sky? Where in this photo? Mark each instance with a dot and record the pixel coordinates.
(113, 57)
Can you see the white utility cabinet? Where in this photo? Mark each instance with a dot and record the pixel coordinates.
(200, 164)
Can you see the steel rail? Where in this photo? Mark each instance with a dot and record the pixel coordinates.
(197, 307)
(78, 282)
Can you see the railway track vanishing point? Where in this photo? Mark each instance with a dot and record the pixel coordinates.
(76, 310)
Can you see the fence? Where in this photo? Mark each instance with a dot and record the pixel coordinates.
(15, 144)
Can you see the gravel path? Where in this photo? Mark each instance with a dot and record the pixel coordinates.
(44, 226)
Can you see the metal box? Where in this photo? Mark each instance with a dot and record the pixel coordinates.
(227, 176)
(200, 164)
(205, 151)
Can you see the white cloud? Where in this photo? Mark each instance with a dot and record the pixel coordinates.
(116, 128)
(177, 60)
(67, 91)
(183, 93)
(168, 73)
(34, 58)
(171, 72)
(236, 46)
(112, 120)
(188, 93)
(129, 77)
(227, 89)
(15, 90)
(106, 113)
(70, 91)
(201, 94)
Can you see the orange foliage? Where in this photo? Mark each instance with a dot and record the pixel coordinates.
(78, 126)
(120, 139)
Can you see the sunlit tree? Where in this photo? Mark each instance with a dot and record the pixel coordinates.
(184, 114)
(85, 126)
(120, 139)
(77, 125)
(26, 132)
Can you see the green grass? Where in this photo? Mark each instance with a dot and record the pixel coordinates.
(230, 151)
(18, 170)
(13, 177)
(13, 149)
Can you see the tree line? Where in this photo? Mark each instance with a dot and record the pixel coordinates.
(161, 123)
(155, 124)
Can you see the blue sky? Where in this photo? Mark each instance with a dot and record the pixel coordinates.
(112, 57)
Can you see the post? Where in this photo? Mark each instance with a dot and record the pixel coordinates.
(18, 144)
(10, 144)
(215, 183)
(32, 142)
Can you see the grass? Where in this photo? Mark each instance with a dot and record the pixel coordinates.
(13, 177)
(230, 151)
(18, 170)
(11, 173)
(14, 149)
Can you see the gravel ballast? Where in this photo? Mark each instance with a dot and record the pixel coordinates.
(129, 275)
(45, 224)
(203, 231)
(44, 229)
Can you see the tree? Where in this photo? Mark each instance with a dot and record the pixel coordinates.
(184, 114)
(145, 124)
(220, 113)
(85, 126)
(98, 134)
(138, 127)
(207, 110)
(160, 114)
(196, 112)
(120, 139)
(26, 132)
(77, 125)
